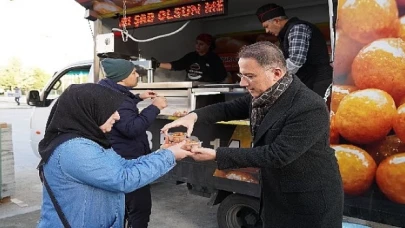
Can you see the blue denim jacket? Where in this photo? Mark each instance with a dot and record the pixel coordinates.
(89, 183)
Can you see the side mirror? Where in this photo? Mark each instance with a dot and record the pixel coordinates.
(33, 98)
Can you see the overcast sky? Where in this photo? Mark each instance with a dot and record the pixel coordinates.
(45, 33)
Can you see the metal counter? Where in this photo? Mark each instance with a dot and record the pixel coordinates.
(187, 96)
(232, 122)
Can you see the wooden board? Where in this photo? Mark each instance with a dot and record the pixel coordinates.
(7, 175)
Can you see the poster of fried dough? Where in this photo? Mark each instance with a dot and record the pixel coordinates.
(368, 97)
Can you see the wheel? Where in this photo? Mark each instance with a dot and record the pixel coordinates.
(238, 211)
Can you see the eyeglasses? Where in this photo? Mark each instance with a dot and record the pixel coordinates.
(249, 78)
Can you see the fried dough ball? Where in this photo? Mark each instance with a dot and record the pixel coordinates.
(334, 133)
(399, 123)
(390, 177)
(356, 167)
(401, 32)
(368, 20)
(381, 65)
(365, 116)
(382, 149)
(338, 93)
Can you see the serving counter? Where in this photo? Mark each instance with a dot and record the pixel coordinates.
(187, 96)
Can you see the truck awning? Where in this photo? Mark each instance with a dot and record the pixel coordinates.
(110, 8)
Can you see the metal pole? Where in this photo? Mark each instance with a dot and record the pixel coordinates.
(332, 31)
(98, 29)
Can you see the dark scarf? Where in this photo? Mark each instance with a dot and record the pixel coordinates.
(261, 105)
(79, 112)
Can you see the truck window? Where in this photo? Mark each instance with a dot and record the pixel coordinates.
(74, 76)
(62, 81)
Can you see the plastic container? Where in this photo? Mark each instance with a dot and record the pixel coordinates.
(190, 143)
(177, 137)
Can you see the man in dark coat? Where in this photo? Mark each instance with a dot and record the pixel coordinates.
(128, 136)
(303, 46)
(301, 183)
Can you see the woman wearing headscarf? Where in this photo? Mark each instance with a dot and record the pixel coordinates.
(202, 65)
(84, 178)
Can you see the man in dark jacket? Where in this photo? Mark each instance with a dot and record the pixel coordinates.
(128, 136)
(301, 183)
(303, 46)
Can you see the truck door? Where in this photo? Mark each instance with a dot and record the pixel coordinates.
(50, 94)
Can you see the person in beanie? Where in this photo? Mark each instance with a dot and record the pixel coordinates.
(303, 46)
(128, 136)
(201, 65)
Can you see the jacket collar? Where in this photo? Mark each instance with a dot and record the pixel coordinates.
(117, 87)
(283, 103)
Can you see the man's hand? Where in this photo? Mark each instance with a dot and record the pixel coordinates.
(160, 102)
(186, 121)
(178, 152)
(203, 154)
(147, 94)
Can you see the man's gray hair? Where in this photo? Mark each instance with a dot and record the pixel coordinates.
(265, 53)
(283, 18)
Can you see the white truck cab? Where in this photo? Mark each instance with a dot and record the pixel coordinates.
(79, 72)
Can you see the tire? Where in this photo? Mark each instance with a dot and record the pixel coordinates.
(239, 211)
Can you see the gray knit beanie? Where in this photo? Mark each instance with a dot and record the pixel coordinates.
(117, 69)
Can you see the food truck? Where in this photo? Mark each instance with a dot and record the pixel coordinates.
(367, 98)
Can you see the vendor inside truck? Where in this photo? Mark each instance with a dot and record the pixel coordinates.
(202, 65)
(303, 45)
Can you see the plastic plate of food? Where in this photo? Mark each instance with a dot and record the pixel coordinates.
(177, 137)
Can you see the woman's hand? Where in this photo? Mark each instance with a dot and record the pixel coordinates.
(178, 152)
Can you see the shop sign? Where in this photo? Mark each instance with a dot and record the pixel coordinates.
(175, 14)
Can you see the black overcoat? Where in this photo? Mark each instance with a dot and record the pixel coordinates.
(300, 178)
